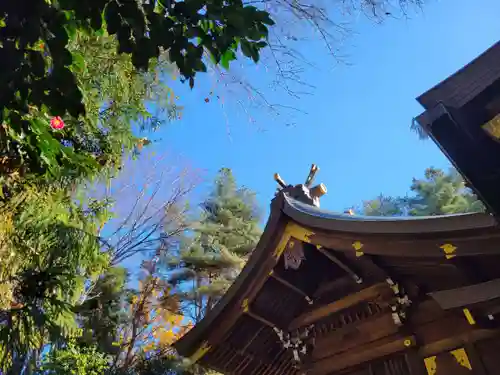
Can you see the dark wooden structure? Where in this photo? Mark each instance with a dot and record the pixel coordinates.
(339, 294)
(462, 115)
(327, 293)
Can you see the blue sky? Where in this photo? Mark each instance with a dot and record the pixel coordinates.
(357, 126)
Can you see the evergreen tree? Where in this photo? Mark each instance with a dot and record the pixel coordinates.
(103, 311)
(438, 193)
(223, 238)
(441, 193)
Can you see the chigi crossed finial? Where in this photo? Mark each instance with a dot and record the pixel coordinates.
(304, 192)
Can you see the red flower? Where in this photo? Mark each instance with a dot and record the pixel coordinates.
(56, 123)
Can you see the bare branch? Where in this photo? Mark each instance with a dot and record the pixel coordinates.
(282, 66)
(150, 206)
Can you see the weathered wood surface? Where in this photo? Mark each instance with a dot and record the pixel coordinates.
(363, 353)
(468, 295)
(476, 244)
(354, 335)
(434, 330)
(377, 292)
(344, 283)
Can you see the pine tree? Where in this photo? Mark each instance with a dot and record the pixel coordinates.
(102, 311)
(211, 258)
(438, 193)
(441, 193)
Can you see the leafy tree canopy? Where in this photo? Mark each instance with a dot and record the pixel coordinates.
(438, 193)
(37, 65)
(74, 360)
(51, 252)
(115, 96)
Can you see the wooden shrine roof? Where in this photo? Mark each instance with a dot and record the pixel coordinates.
(349, 262)
(465, 84)
(462, 116)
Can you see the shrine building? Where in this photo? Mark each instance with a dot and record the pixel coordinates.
(330, 293)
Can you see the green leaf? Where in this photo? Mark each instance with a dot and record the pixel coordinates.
(254, 33)
(226, 58)
(266, 18)
(236, 20)
(263, 30)
(71, 29)
(78, 61)
(255, 55)
(200, 66)
(246, 48)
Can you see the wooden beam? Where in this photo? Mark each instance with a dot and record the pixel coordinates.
(449, 325)
(368, 266)
(467, 295)
(377, 292)
(342, 283)
(260, 319)
(342, 265)
(291, 286)
(430, 324)
(482, 242)
(362, 354)
(446, 331)
(451, 343)
(353, 335)
(425, 312)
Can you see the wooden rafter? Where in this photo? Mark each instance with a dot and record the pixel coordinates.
(341, 264)
(341, 282)
(291, 286)
(259, 318)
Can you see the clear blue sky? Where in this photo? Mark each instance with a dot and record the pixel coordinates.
(358, 124)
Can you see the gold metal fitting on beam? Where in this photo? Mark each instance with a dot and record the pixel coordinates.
(449, 250)
(469, 317)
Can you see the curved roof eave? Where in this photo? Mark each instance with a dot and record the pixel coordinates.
(284, 208)
(314, 217)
